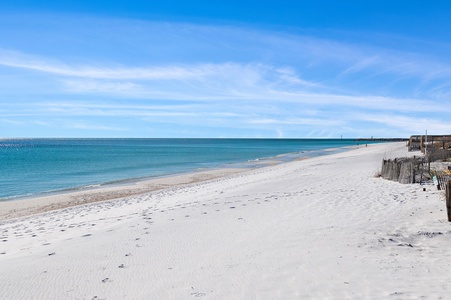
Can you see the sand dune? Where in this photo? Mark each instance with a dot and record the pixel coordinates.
(320, 228)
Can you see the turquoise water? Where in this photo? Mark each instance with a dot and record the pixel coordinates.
(35, 166)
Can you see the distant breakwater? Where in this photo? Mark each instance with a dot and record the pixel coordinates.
(382, 139)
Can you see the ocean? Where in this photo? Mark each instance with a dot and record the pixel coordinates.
(31, 167)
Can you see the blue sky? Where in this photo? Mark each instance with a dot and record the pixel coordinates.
(224, 68)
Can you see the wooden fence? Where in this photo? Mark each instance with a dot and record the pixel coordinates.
(448, 199)
(441, 178)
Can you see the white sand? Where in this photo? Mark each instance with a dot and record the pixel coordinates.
(318, 228)
(26, 207)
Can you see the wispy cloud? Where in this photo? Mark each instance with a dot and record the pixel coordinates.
(362, 65)
(25, 122)
(298, 121)
(245, 82)
(225, 76)
(93, 86)
(23, 61)
(412, 125)
(87, 126)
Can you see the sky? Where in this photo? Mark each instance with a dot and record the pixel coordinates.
(224, 69)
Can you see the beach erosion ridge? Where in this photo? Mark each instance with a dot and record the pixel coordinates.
(322, 227)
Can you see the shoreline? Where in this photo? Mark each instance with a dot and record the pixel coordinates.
(36, 187)
(35, 205)
(48, 201)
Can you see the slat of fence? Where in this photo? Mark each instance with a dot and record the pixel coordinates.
(448, 199)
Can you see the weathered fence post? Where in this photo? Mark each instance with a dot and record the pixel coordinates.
(448, 199)
(436, 182)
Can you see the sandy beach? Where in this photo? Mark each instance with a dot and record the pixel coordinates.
(319, 228)
(25, 207)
